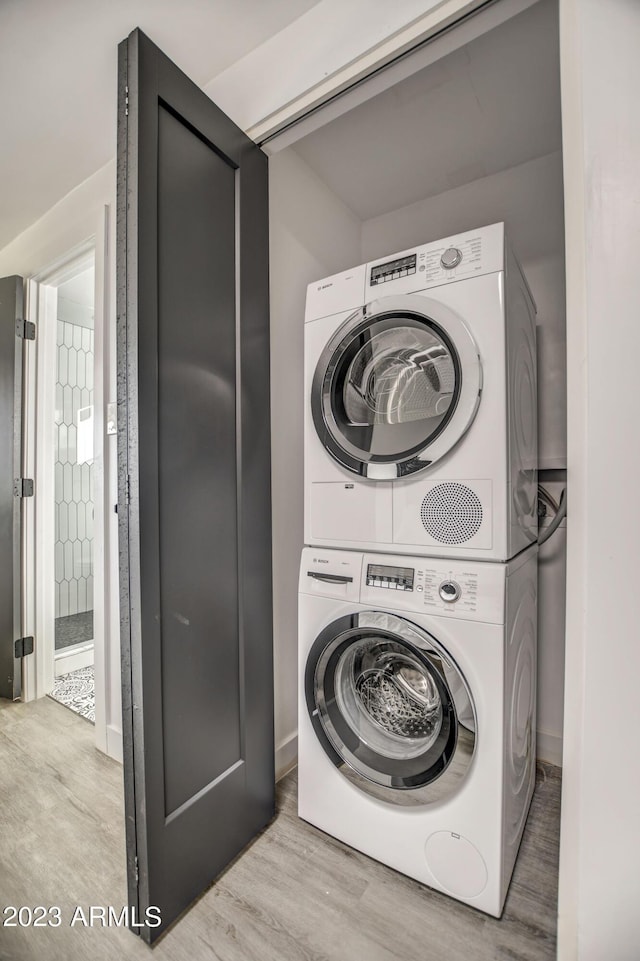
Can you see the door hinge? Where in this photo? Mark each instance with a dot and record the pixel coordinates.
(126, 102)
(26, 329)
(136, 869)
(23, 487)
(23, 646)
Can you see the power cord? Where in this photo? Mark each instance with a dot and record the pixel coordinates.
(560, 510)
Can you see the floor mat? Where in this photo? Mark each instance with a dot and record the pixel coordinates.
(74, 629)
(76, 690)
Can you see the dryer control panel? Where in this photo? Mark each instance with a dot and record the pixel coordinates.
(454, 258)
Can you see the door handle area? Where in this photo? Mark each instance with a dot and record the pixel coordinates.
(330, 578)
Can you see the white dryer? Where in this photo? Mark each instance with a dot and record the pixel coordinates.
(420, 402)
(417, 681)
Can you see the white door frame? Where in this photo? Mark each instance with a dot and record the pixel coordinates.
(38, 529)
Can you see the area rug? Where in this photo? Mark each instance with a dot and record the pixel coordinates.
(76, 691)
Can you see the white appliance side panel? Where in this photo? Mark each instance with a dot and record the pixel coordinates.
(343, 291)
(522, 409)
(519, 706)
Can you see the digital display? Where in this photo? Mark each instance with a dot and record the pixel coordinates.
(392, 270)
(393, 578)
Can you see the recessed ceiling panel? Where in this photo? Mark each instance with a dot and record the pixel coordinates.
(491, 105)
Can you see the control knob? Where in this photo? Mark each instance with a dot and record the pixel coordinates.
(451, 258)
(449, 591)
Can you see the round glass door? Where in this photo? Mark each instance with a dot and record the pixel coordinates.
(379, 693)
(387, 386)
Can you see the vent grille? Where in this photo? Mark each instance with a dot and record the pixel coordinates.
(451, 513)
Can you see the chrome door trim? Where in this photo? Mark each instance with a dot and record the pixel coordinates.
(445, 773)
(453, 331)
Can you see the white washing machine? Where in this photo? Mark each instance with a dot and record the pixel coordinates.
(417, 712)
(420, 410)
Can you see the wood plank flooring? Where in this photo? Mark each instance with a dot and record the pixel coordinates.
(294, 895)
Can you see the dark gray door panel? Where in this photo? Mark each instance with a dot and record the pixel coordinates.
(194, 466)
(11, 351)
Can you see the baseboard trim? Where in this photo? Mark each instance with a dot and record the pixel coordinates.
(549, 748)
(114, 743)
(69, 660)
(286, 755)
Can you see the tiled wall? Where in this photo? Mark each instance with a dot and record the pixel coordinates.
(73, 481)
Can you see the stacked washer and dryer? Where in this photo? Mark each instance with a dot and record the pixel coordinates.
(417, 604)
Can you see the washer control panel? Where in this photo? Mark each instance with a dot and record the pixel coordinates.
(391, 578)
(448, 591)
(448, 263)
(439, 586)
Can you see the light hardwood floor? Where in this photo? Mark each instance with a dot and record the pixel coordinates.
(294, 895)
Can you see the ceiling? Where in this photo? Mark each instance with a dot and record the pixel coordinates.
(488, 106)
(58, 81)
(80, 289)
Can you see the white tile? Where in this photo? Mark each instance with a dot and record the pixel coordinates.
(73, 374)
(59, 401)
(63, 520)
(77, 559)
(77, 482)
(72, 445)
(63, 368)
(81, 364)
(77, 336)
(58, 482)
(86, 489)
(73, 522)
(64, 599)
(67, 405)
(68, 561)
(62, 443)
(67, 494)
(59, 561)
(82, 527)
(82, 594)
(73, 597)
(87, 552)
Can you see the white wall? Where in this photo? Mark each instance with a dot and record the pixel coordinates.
(599, 914)
(312, 234)
(529, 198)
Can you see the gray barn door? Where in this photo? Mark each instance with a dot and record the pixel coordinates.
(194, 467)
(11, 348)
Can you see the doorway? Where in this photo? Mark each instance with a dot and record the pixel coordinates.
(60, 411)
